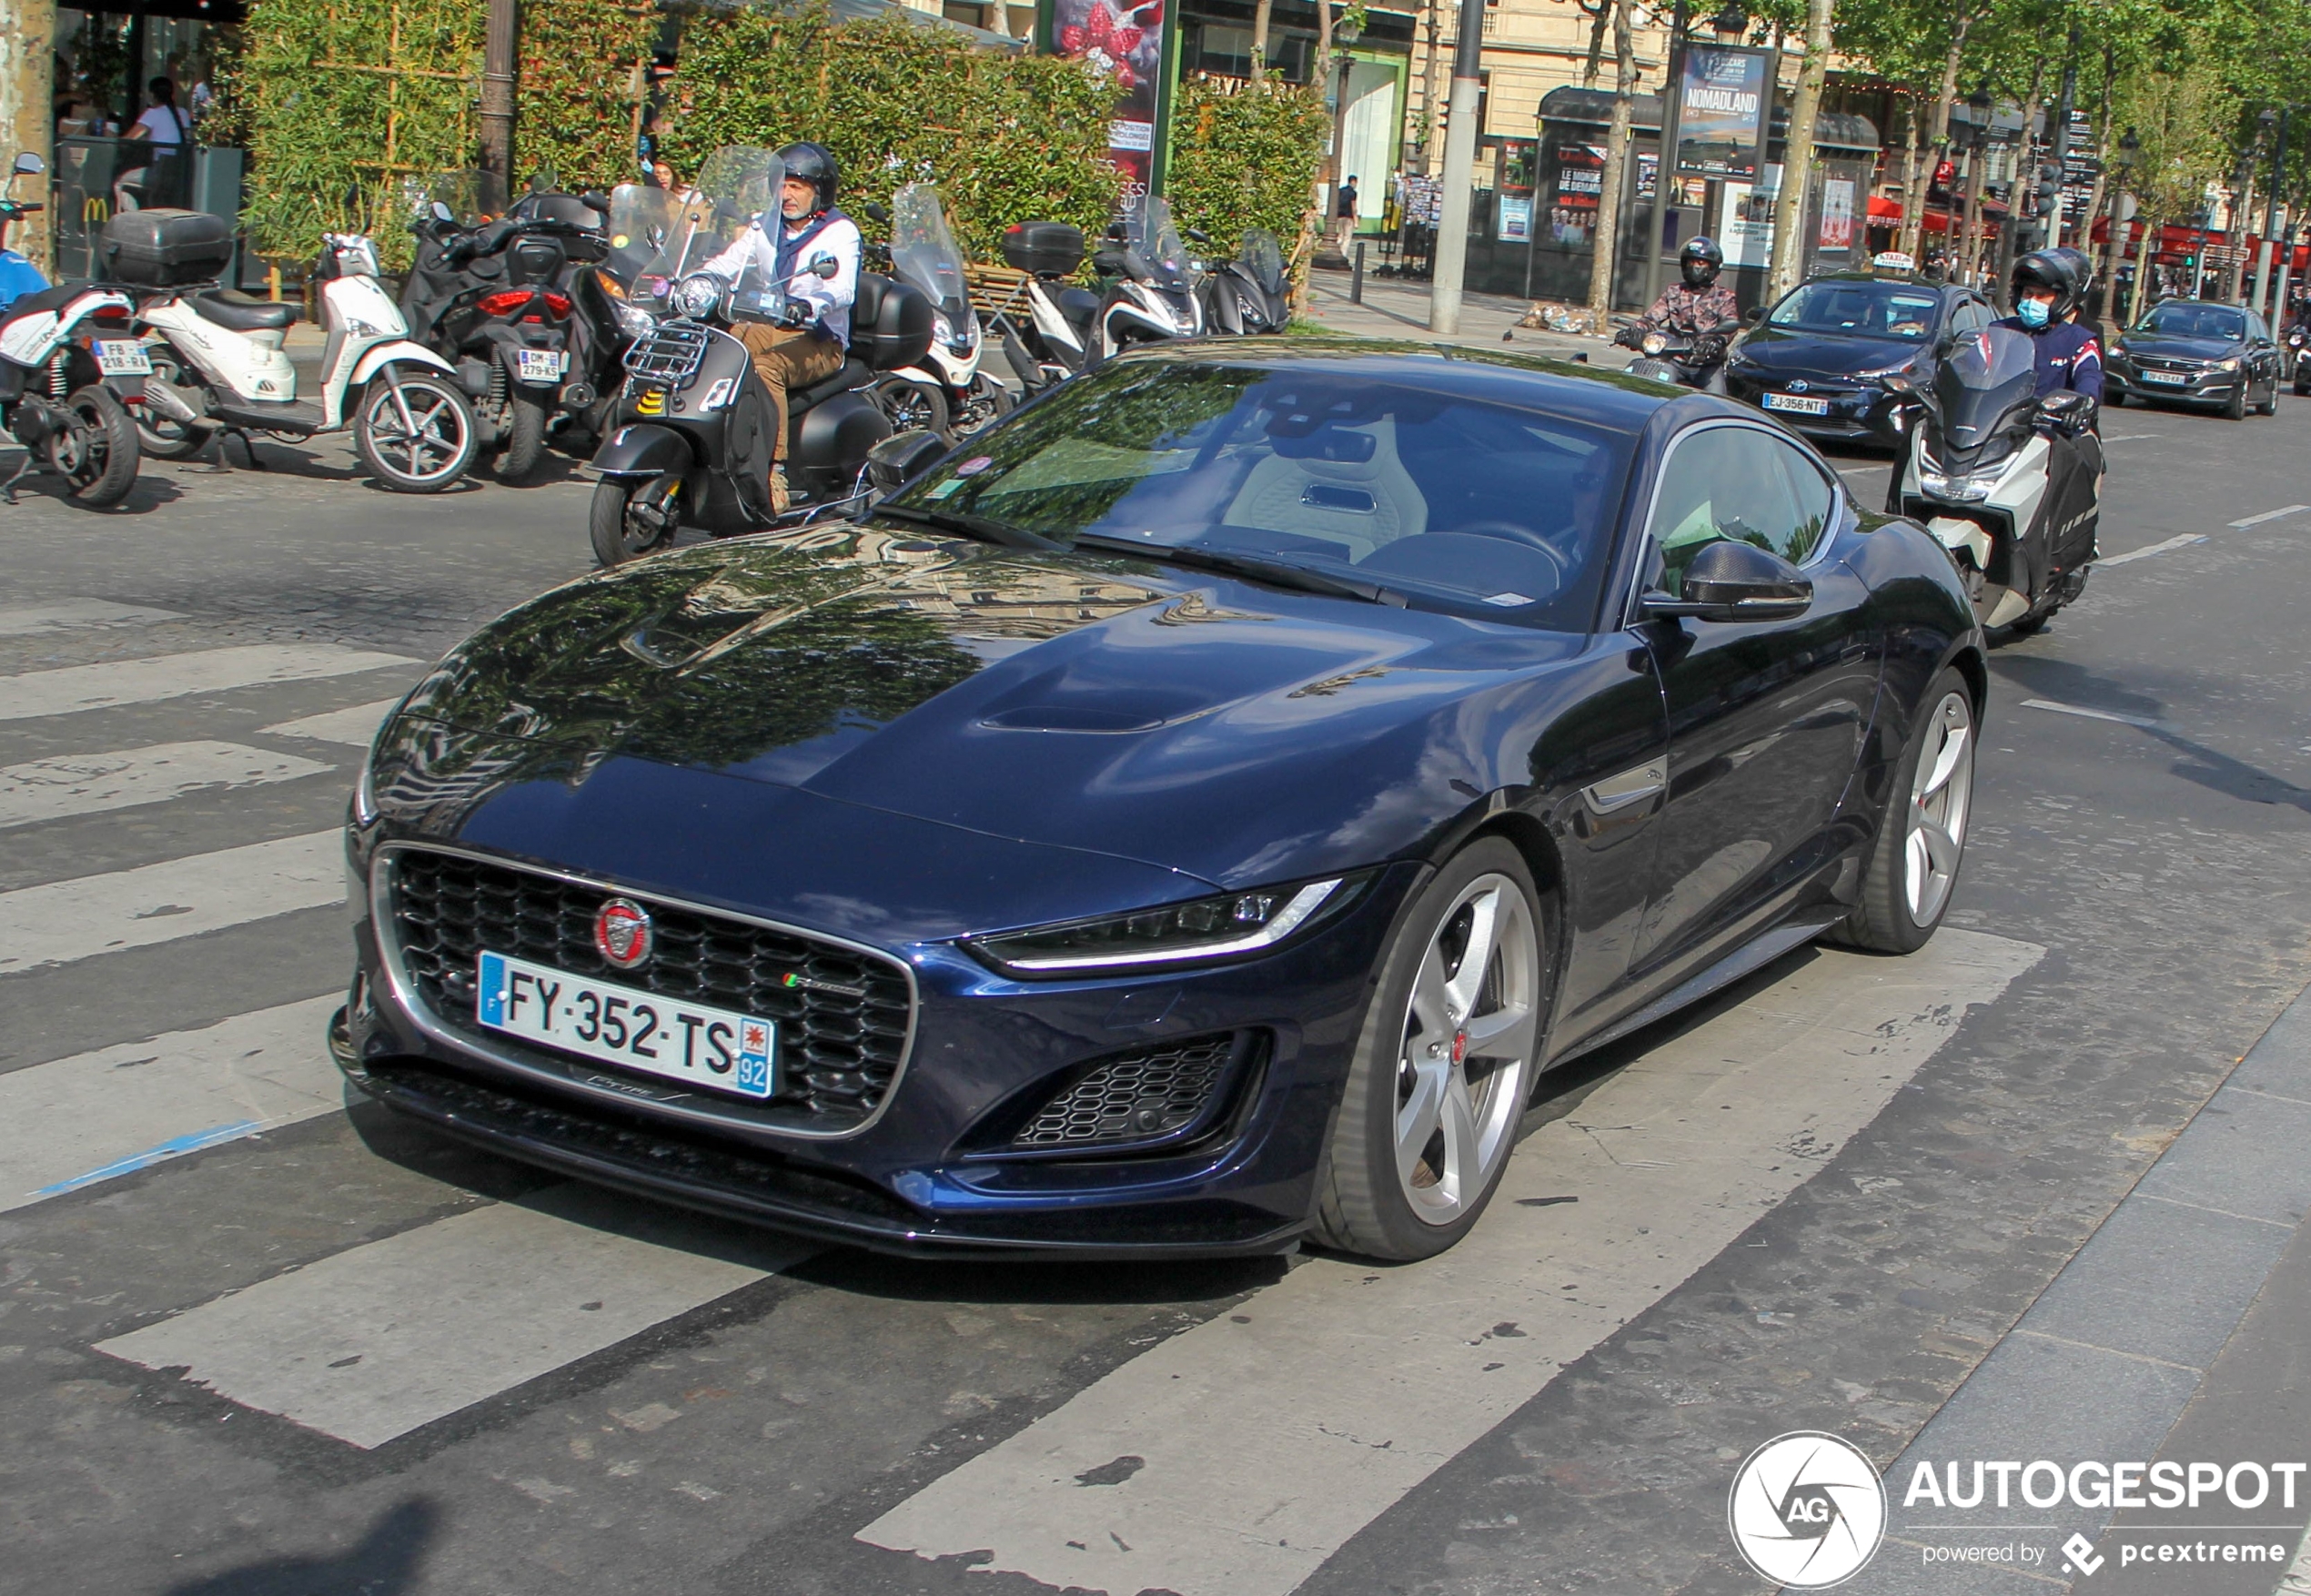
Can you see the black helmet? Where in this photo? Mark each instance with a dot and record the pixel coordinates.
(1699, 261)
(2064, 271)
(814, 164)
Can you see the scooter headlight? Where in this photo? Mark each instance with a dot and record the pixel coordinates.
(1960, 487)
(633, 321)
(1653, 343)
(695, 296)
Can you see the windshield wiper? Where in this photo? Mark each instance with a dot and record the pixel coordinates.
(1279, 573)
(987, 528)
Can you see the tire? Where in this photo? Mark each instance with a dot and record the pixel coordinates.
(1907, 881)
(911, 406)
(617, 535)
(432, 453)
(989, 402)
(2236, 409)
(157, 436)
(525, 437)
(96, 452)
(2270, 407)
(1411, 1068)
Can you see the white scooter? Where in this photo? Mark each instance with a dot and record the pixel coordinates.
(1156, 293)
(947, 393)
(223, 369)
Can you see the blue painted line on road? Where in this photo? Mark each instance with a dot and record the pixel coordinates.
(193, 1141)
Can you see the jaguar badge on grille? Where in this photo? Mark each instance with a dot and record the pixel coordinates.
(621, 934)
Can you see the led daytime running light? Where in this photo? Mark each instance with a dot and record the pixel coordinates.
(1269, 925)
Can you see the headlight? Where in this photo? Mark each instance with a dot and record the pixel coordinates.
(363, 814)
(1653, 343)
(634, 323)
(696, 295)
(1961, 487)
(2230, 365)
(1204, 929)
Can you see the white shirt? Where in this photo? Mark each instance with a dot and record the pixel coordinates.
(831, 297)
(163, 127)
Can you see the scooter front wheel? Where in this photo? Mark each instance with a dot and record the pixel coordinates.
(911, 406)
(623, 529)
(95, 452)
(415, 435)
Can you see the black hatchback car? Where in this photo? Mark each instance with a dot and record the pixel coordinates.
(2196, 352)
(1820, 361)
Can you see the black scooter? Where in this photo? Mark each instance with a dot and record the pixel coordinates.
(691, 440)
(1248, 295)
(1689, 360)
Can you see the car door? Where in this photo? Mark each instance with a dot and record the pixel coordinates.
(1766, 719)
(2263, 354)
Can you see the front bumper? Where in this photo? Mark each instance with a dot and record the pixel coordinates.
(1856, 414)
(2198, 388)
(933, 1170)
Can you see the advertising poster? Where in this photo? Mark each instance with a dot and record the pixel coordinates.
(1123, 42)
(1837, 214)
(1580, 176)
(1720, 111)
(1513, 218)
(1747, 237)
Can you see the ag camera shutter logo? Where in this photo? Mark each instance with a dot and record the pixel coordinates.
(1807, 1510)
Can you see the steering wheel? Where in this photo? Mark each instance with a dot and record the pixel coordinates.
(1509, 531)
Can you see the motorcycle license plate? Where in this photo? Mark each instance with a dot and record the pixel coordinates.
(538, 365)
(2176, 378)
(1800, 403)
(624, 1025)
(123, 358)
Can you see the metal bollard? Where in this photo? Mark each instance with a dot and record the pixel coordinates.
(1356, 282)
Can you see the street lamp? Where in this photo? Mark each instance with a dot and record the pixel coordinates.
(1731, 20)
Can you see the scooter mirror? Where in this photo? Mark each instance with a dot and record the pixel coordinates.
(595, 200)
(897, 459)
(1753, 315)
(1114, 263)
(877, 213)
(825, 266)
(28, 163)
(441, 213)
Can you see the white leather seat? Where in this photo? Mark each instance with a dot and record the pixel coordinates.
(1364, 504)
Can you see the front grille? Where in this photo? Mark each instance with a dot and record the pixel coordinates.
(838, 1053)
(2165, 363)
(1141, 1095)
(669, 355)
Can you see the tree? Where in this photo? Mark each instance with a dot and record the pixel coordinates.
(1797, 162)
(1606, 242)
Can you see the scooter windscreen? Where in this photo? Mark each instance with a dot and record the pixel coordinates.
(1983, 379)
(1262, 256)
(642, 219)
(923, 250)
(471, 195)
(1149, 233)
(738, 186)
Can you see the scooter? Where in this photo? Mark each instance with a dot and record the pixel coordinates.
(1248, 295)
(948, 394)
(18, 276)
(1046, 323)
(54, 363)
(1667, 355)
(2017, 514)
(226, 370)
(1154, 296)
(2298, 368)
(691, 443)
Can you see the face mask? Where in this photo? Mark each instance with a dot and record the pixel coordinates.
(2032, 313)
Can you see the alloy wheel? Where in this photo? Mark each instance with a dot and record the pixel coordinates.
(420, 432)
(1941, 793)
(1471, 1028)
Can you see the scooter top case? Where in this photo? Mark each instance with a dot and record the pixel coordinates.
(166, 249)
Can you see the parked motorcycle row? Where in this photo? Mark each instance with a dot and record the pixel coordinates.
(583, 322)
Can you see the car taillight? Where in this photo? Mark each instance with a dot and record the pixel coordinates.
(558, 304)
(506, 300)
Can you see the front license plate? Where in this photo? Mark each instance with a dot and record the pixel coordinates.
(123, 358)
(538, 365)
(1797, 403)
(2175, 378)
(635, 1030)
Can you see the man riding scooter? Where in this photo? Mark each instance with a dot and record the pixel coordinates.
(2049, 288)
(789, 355)
(1694, 319)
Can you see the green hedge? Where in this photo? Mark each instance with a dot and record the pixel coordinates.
(1246, 159)
(1006, 138)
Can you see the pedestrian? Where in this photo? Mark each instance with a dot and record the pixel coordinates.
(1347, 212)
(152, 179)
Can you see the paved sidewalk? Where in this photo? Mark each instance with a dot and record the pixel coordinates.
(1394, 308)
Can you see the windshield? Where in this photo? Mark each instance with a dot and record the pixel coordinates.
(923, 250)
(737, 183)
(1985, 375)
(2195, 321)
(1859, 309)
(473, 196)
(1445, 487)
(642, 219)
(1262, 256)
(1149, 231)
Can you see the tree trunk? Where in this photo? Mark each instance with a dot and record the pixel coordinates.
(1914, 139)
(1327, 175)
(1606, 239)
(1595, 61)
(2154, 228)
(1914, 215)
(1260, 14)
(1797, 160)
(1432, 96)
(27, 109)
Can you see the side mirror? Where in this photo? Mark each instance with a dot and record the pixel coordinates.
(1114, 263)
(825, 266)
(903, 457)
(1734, 581)
(877, 212)
(1753, 315)
(1197, 236)
(441, 213)
(28, 163)
(595, 200)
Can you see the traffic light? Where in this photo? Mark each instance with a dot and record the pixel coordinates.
(2050, 188)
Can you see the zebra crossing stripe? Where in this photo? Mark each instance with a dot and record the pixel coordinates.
(76, 1121)
(114, 682)
(71, 614)
(64, 920)
(357, 727)
(90, 783)
(374, 1341)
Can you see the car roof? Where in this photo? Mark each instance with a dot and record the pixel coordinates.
(1910, 278)
(1595, 395)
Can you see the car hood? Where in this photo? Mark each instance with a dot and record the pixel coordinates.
(2181, 349)
(1231, 731)
(1805, 354)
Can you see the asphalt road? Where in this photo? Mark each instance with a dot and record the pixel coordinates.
(252, 1342)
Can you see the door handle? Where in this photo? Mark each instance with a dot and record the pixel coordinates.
(1615, 793)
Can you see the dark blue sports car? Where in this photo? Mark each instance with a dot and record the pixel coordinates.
(1185, 819)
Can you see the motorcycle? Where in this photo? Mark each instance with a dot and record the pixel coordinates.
(692, 441)
(220, 367)
(948, 394)
(2299, 370)
(1695, 360)
(1154, 296)
(18, 276)
(518, 305)
(2017, 514)
(1056, 339)
(1248, 296)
